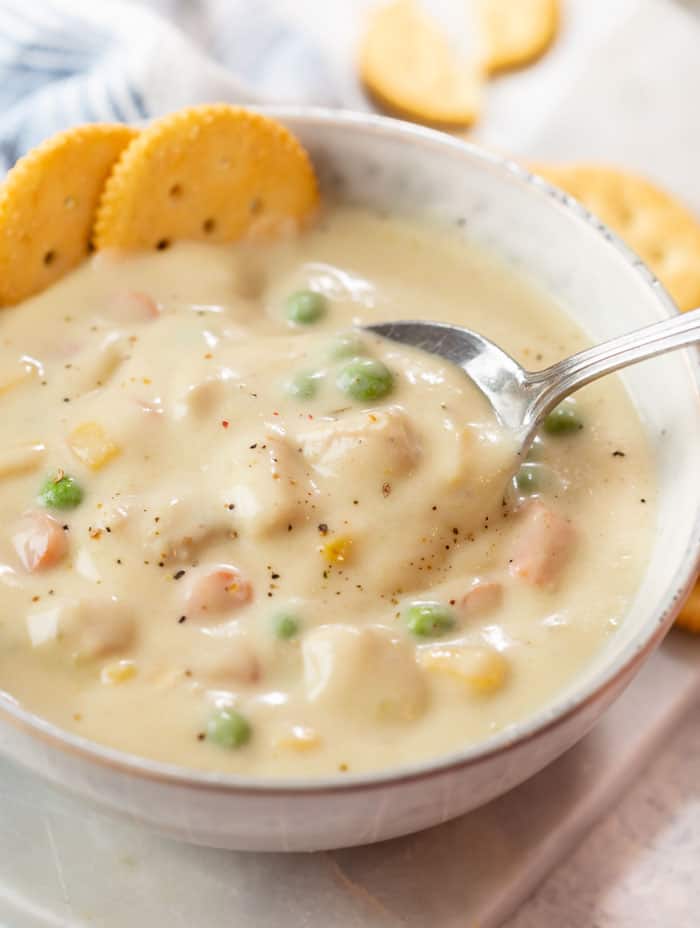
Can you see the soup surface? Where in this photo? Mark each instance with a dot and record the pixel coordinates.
(239, 534)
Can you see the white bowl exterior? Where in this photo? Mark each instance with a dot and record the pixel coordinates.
(394, 167)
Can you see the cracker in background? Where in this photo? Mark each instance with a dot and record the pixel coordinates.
(652, 222)
(47, 206)
(689, 616)
(408, 66)
(662, 231)
(517, 32)
(213, 173)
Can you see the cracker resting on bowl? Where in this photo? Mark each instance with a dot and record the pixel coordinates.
(47, 206)
(212, 173)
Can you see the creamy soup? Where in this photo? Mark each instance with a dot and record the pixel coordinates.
(240, 534)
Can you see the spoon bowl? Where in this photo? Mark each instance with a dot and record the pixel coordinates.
(519, 398)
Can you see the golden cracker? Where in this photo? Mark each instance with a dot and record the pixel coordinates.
(652, 222)
(517, 32)
(407, 65)
(689, 616)
(47, 206)
(213, 173)
(662, 232)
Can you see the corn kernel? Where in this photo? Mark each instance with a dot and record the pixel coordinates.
(337, 550)
(118, 672)
(300, 738)
(481, 670)
(90, 444)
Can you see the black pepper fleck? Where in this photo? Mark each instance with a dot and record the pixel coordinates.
(179, 575)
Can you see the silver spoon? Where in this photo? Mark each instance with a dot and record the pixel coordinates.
(521, 399)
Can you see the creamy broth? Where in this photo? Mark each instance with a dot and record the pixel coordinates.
(343, 574)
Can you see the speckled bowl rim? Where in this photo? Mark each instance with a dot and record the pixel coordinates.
(555, 713)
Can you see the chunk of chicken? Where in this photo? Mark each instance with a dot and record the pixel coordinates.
(39, 541)
(170, 527)
(229, 661)
(371, 444)
(204, 399)
(364, 673)
(271, 484)
(544, 544)
(87, 629)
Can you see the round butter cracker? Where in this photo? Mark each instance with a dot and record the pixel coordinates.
(652, 222)
(212, 173)
(408, 66)
(689, 616)
(47, 206)
(517, 32)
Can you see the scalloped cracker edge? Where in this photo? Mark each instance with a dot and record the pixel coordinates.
(409, 68)
(214, 173)
(47, 206)
(689, 616)
(517, 32)
(653, 223)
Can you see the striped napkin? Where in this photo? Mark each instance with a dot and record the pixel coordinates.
(65, 62)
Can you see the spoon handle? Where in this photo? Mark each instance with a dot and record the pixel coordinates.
(551, 385)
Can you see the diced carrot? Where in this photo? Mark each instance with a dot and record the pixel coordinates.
(544, 544)
(216, 590)
(483, 596)
(39, 541)
(134, 306)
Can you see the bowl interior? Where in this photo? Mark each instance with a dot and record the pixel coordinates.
(383, 164)
(596, 280)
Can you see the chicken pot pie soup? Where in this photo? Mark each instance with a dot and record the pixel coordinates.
(241, 534)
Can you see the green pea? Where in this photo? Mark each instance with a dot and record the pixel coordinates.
(305, 307)
(528, 479)
(286, 625)
(365, 379)
(347, 345)
(428, 620)
(303, 386)
(61, 492)
(563, 419)
(228, 729)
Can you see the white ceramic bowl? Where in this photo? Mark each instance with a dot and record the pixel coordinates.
(403, 169)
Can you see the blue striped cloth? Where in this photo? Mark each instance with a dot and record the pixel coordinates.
(66, 62)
